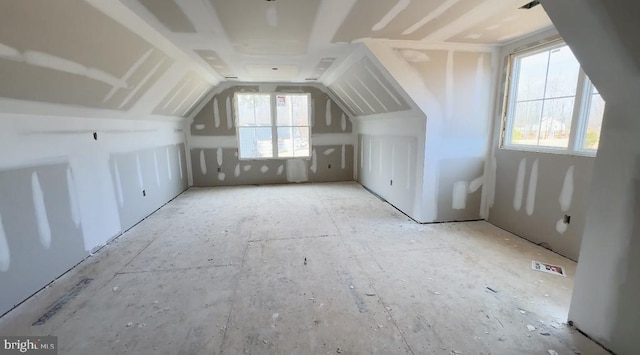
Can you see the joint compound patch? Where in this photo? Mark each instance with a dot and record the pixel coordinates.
(548, 268)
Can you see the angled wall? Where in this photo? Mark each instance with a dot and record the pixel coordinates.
(213, 142)
(390, 130)
(441, 134)
(603, 36)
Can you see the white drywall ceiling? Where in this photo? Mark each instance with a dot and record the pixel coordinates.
(287, 34)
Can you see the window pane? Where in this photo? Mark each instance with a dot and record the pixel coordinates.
(255, 142)
(285, 141)
(265, 142)
(254, 110)
(564, 69)
(531, 76)
(246, 112)
(555, 126)
(526, 123)
(284, 106)
(301, 142)
(247, 141)
(263, 110)
(300, 110)
(594, 122)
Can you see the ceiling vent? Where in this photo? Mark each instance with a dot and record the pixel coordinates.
(531, 5)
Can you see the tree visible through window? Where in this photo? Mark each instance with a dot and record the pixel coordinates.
(273, 126)
(551, 100)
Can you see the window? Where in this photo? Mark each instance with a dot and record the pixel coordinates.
(552, 105)
(273, 126)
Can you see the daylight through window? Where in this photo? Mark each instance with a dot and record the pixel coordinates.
(273, 126)
(552, 104)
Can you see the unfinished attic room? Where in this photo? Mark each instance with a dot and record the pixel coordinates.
(319, 177)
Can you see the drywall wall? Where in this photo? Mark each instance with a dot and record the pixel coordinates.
(64, 193)
(213, 142)
(386, 165)
(454, 93)
(561, 182)
(607, 284)
(534, 192)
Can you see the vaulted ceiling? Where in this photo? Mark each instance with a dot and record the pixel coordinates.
(161, 57)
(293, 40)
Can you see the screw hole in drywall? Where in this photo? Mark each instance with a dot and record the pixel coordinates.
(567, 219)
(391, 182)
(144, 193)
(95, 136)
(219, 170)
(329, 166)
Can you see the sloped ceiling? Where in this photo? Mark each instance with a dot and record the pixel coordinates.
(293, 40)
(162, 56)
(69, 52)
(364, 90)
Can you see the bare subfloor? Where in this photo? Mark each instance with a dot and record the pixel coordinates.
(222, 270)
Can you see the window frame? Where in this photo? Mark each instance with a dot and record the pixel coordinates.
(579, 118)
(273, 109)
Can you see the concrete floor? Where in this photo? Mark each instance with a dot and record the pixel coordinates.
(221, 270)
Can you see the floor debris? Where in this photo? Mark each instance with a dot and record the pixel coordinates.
(370, 294)
(130, 324)
(552, 352)
(114, 289)
(492, 290)
(545, 333)
(522, 311)
(530, 327)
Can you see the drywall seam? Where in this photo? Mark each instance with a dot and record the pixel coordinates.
(5, 253)
(566, 194)
(400, 6)
(73, 198)
(533, 187)
(519, 188)
(44, 229)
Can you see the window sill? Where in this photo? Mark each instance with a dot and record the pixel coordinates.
(548, 150)
(278, 159)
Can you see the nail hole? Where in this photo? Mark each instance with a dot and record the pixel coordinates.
(95, 136)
